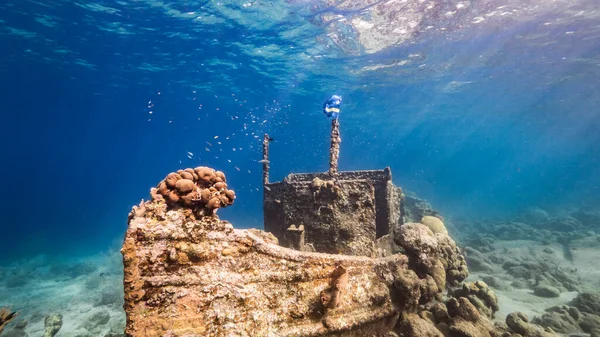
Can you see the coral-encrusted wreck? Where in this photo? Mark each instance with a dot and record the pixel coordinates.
(353, 268)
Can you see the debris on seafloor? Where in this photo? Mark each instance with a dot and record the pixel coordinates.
(339, 261)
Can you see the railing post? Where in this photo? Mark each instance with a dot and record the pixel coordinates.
(265, 160)
(334, 151)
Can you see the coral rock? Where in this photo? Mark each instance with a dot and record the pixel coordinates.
(413, 325)
(435, 224)
(184, 186)
(587, 302)
(52, 324)
(171, 179)
(465, 320)
(589, 323)
(562, 319)
(546, 291)
(519, 323)
(480, 295)
(425, 249)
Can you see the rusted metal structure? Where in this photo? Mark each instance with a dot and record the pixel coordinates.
(265, 160)
(334, 150)
(331, 212)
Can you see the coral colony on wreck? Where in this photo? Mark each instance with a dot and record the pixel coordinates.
(343, 253)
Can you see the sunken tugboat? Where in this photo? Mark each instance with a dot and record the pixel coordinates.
(335, 259)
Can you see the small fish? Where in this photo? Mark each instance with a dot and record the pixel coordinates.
(264, 161)
(190, 154)
(237, 168)
(207, 149)
(267, 188)
(209, 144)
(216, 137)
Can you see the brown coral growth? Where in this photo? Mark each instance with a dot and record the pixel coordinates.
(201, 189)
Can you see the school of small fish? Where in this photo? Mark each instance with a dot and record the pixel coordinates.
(253, 123)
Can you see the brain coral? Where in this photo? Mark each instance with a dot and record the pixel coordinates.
(201, 189)
(435, 224)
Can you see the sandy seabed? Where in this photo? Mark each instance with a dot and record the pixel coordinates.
(88, 291)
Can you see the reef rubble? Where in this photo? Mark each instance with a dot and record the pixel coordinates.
(188, 273)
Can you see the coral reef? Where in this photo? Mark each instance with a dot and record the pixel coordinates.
(480, 295)
(188, 273)
(434, 255)
(519, 323)
(533, 224)
(477, 261)
(569, 320)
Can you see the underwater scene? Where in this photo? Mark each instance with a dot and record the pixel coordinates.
(300, 168)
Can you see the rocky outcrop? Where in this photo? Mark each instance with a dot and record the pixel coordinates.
(433, 255)
(52, 325)
(480, 295)
(546, 277)
(587, 302)
(569, 320)
(519, 323)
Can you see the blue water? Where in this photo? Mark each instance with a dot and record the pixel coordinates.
(481, 110)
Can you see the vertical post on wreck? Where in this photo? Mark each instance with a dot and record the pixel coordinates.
(265, 160)
(334, 151)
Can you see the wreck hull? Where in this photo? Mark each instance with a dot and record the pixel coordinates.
(186, 277)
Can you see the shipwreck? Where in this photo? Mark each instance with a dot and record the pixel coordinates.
(336, 258)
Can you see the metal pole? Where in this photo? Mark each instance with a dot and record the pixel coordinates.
(265, 160)
(334, 151)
